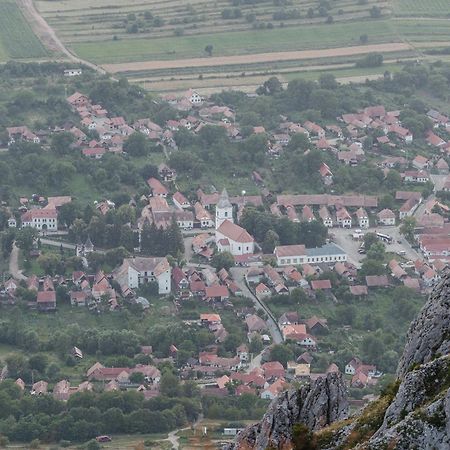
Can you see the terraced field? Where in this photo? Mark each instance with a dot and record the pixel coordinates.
(17, 40)
(163, 42)
(422, 8)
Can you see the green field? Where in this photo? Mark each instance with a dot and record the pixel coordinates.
(17, 40)
(237, 43)
(438, 8)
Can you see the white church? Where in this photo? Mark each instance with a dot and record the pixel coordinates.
(229, 236)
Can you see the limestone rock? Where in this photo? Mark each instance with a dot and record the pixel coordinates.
(315, 405)
(429, 334)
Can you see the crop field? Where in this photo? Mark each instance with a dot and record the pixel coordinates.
(154, 41)
(422, 8)
(17, 40)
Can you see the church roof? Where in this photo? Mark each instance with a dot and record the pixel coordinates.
(234, 232)
(224, 200)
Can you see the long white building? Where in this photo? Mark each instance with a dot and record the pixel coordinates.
(288, 255)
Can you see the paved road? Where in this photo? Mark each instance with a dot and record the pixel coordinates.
(238, 274)
(53, 243)
(255, 363)
(14, 264)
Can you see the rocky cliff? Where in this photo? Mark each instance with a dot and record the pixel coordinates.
(316, 405)
(414, 413)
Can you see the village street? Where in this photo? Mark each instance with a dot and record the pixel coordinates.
(238, 274)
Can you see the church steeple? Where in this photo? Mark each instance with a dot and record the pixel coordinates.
(224, 209)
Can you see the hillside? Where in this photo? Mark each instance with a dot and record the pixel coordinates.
(412, 413)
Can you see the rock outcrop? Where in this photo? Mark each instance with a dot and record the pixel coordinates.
(414, 413)
(429, 334)
(315, 405)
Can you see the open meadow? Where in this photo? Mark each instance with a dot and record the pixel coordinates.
(17, 40)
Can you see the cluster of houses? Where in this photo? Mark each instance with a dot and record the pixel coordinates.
(204, 284)
(110, 378)
(233, 376)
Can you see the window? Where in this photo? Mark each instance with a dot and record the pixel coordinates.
(226, 214)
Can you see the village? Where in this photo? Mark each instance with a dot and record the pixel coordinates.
(415, 255)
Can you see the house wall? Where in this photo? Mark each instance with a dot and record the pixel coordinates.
(387, 221)
(303, 259)
(164, 284)
(236, 248)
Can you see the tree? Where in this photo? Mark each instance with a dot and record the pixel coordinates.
(222, 260)
(136, 145)
(328, 81)
(170, 384)
(7, 241)
(407, 228)
(137, 378)
(61, 143)
(25, 238)
(281, 353)
(376, 252)
(38, 362)
(393, 180)
(270, 87)
(17, 365)
(93, 445)
(372, 267)
(375, 12)
(364, 39)
(256, 345)
(370, 60)
(369, 240)
(271, 240)
(209, 49)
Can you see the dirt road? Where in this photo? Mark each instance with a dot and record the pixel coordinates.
(14, 264)
(257, 58)
(48, 36)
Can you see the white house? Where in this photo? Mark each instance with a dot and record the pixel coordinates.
(413, 176)
(202, 216)
(352, 366)
(184, 219)
(72, 72)
(386, 217)
(362, 217)
(234, 239)
(139, 270)
(343, 218)
(41, 219)
(194, 97)
(12, 222)
(180, 201)
(325, 215)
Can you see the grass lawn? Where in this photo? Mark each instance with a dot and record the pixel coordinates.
(17, 40)
(235, 43)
